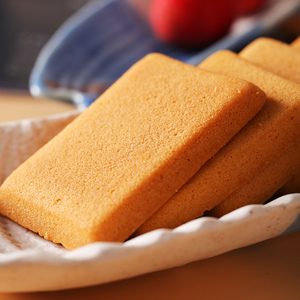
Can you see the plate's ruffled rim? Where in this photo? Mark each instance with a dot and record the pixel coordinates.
(39, 269)
(30, 263)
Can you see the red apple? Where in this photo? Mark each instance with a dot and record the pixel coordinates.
(190, 23)
(248, 6)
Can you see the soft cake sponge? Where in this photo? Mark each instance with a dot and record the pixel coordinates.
(266, 137)
(127, 154)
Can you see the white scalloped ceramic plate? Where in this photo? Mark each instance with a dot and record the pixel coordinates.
(30, 263)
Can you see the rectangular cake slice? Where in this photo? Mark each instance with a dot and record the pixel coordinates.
(128, 153)
(271, 132)
(274, 56)
(281, 59)
(264, 185)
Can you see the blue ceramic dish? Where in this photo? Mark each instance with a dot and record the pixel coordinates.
(102, 40)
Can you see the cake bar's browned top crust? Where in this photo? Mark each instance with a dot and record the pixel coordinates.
(117, 163)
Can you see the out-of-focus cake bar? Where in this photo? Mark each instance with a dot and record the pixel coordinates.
(274, 56)
(281, 59)
(296, 43)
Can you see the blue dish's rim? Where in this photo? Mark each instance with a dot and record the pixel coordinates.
(36, 84)
(37, 87)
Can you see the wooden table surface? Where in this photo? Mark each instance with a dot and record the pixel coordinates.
(18, 105)
(267, 270)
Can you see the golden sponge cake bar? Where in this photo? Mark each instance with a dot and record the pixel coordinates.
(262, 186)
(293, 185)
(283, 60)
(278, 173)
(273, 130)
(274, 56)
(109, 170)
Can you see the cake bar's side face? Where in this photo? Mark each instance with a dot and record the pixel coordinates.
(263, 139)
(262, 186)
(292, 186)
(111, 168)
(275, 56)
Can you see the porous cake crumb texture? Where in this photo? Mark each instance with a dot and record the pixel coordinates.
(267, 136)
(117, 163)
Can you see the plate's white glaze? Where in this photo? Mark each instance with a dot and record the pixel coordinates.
(30, 263)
